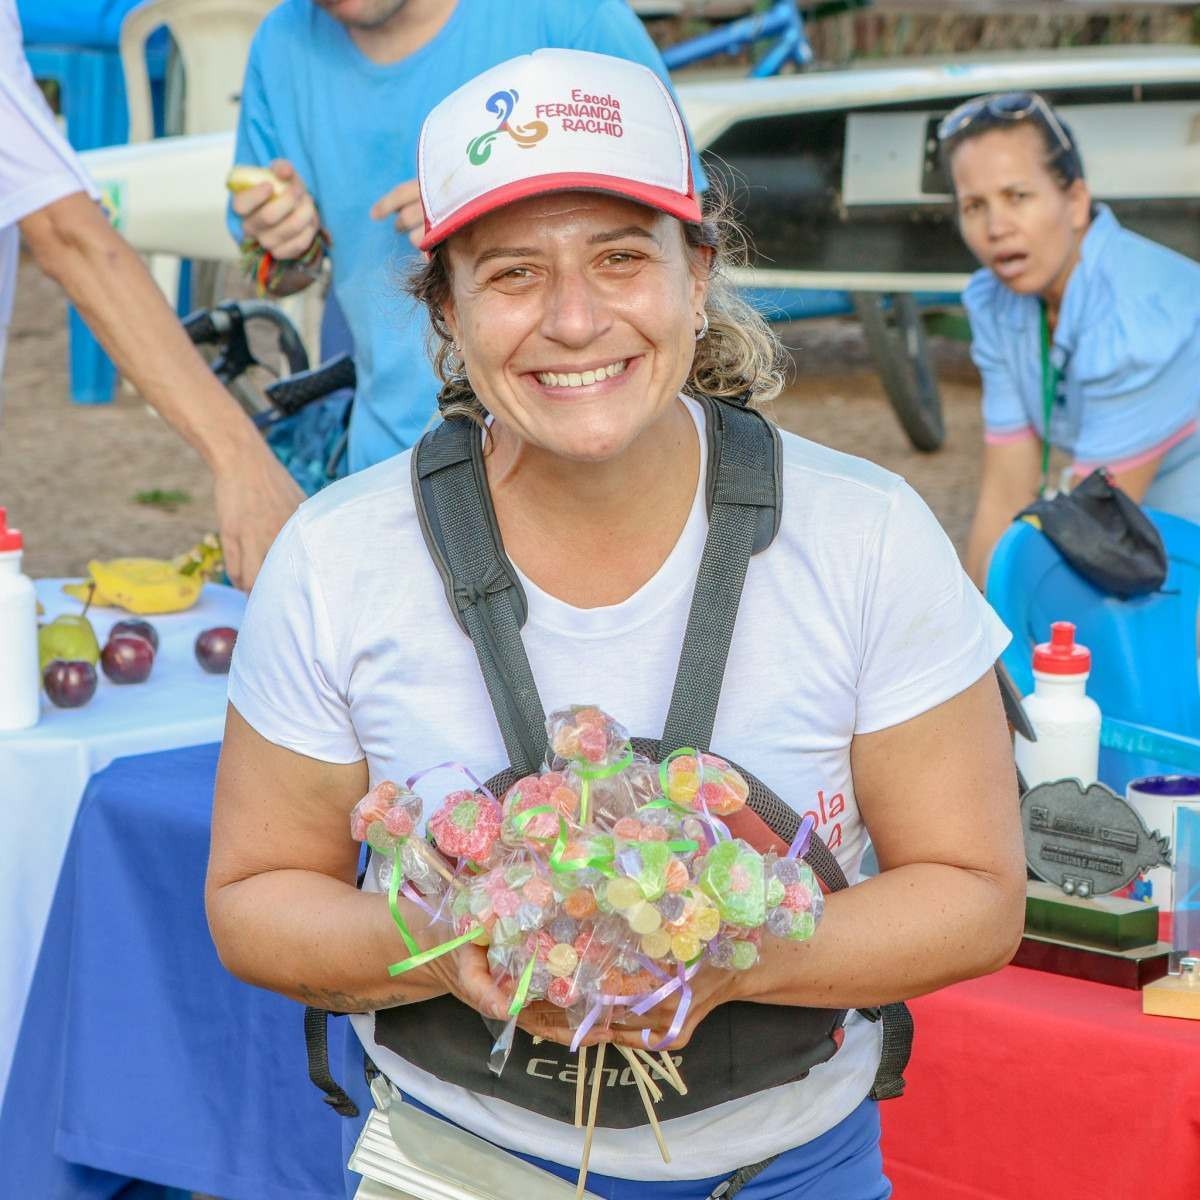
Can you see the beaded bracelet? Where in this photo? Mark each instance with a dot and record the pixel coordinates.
(266, 270)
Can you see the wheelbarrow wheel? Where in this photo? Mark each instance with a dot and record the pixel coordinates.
(897, 342)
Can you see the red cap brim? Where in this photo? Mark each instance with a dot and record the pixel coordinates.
(685, 207)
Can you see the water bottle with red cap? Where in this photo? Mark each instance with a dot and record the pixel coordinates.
(1065, 719)
(19, 682)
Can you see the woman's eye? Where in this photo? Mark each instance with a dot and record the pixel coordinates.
(620, 258)
(513, 275)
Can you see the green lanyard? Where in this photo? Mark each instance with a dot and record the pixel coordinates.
(1050, 380)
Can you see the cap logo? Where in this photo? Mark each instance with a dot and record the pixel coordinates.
(502, 105)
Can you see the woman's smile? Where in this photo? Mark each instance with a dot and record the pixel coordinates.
(577, 315)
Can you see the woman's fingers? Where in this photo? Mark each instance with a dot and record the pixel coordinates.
(474, 984)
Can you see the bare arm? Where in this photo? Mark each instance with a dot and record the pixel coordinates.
(282, 905)
(1136, 481)
(76, 246)
(1009, 480)
(938, 795)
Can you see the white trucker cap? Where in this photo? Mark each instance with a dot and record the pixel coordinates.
(553, 121)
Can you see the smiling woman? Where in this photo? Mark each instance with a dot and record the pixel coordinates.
(580, 318)
(1085, 334)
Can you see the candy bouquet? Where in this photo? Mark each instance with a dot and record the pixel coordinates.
(601, 884)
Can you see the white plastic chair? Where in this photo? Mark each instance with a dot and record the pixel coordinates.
(213, 39)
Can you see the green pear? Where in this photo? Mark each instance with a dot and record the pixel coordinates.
(69, 637)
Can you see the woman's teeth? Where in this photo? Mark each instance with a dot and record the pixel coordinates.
(581, 378)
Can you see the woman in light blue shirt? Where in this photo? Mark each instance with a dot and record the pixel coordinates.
(1085, 334)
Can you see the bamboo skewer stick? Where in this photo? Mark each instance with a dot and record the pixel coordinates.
(639, 1074)
(640, 1071)
(580, 1083)
(593, 1106)
(664, 1072)
(669, 1064)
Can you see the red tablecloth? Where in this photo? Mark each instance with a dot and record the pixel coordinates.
(1030, 1086)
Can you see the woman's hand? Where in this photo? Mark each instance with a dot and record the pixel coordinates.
(710, 987)
(464, 974)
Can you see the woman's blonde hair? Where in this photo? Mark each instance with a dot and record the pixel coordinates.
(739, 357)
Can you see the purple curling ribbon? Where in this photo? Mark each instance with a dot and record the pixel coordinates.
(716, 829)
(603, 1000)
(410, 893)
(799, 846)
(681, 1011)
(452, 766)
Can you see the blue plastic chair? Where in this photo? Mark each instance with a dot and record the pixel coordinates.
(1144, 650)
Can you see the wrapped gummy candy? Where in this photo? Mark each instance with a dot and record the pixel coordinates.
(794, 899)
(548, 790)
(387, 814)
(613, 797)
(711, 785)
(585, 734)
(731, 873)
(466, 825)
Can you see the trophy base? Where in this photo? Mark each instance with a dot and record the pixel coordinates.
(1172, 996)
(1105, 921)
(1120, 968)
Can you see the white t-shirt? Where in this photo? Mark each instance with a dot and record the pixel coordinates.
(857, 617)
(37, 166)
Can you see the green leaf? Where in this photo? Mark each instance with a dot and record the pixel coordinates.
(166, 499)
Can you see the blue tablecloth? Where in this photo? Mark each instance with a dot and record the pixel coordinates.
(139, 1056)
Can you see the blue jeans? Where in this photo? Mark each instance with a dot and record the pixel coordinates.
(844, 1163)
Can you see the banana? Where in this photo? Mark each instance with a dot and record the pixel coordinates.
(145, 585)
(204, 558)
(89, 593)
(242, 178)
(151, 585)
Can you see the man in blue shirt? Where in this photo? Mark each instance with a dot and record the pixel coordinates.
(333, 101)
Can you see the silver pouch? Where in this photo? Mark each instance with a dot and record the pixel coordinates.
(405, 1154)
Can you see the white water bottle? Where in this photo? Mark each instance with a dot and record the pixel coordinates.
(1065, 719)
(20, 685)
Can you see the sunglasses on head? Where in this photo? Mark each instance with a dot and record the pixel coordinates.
(1003, 107)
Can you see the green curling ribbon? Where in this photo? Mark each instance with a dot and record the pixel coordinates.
(683, 845)
(419, 960)
(602, 863)
(663, 778)
(522, 992)
(587, 774)
(393, 896)
(417, 956)
(520, 820)
(679, 845)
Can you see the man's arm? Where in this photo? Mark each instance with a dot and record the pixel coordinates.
(75, 245)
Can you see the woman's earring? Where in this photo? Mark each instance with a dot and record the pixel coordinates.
(455, 360)
(702, 332)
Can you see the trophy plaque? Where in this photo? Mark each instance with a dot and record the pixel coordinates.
(1083, 844)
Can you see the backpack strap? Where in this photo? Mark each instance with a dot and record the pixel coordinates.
(744, 493)
(745, 508)
(455, 509)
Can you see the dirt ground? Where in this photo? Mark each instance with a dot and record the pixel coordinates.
(69, 473)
